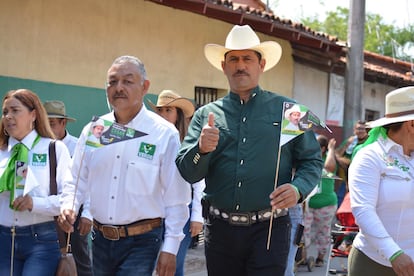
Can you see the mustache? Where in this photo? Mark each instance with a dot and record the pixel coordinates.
(240, 73)
(119, 95)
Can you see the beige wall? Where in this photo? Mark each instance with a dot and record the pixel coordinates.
(74, 42)
(311, 89)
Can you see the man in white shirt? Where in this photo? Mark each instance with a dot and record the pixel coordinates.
(56, 112)
(138, 198)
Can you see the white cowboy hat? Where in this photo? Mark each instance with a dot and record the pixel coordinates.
(399, 107)
(170, 98)
(56, 109)
(294, 108)
(244, 38)
(98, 122)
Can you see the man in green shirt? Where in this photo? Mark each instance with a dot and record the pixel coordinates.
(233, 143)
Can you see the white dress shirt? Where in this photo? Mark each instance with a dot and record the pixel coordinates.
(45, 206)
(70, 142)
(127, 185)
(381, 183)
(196, 208)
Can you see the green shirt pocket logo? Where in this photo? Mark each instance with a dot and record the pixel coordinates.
(39, 159)
(146, 151)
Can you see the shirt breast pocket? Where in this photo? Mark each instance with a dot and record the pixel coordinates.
(396, 186)
(141, 177)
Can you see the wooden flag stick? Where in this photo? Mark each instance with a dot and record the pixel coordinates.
(68, 246)
(269, 235)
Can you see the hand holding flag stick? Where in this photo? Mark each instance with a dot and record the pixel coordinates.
(296, 120)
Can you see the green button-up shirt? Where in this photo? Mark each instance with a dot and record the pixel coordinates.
(240, 173)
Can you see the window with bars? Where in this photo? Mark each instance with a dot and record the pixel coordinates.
(204, 95)
(371, 115)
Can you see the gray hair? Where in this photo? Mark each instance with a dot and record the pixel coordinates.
(135, 61)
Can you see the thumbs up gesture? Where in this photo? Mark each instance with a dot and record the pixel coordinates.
(209, 136)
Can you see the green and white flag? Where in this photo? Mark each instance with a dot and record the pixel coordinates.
(296, 120)
(103, 132)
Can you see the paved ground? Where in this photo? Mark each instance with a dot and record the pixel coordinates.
(195, 264)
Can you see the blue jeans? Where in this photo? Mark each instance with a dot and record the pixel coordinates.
(130, 256)
(296, 216)
(182, 251)
(80, 251)
(36, 250)
(242, 250)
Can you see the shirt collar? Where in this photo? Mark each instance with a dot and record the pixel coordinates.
(134, 120)
(28, 140)
(253, 93)
(389, 145)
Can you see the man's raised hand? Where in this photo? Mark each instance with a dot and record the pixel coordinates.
(209, 136)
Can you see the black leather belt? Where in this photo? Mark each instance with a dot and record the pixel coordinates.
(246, 218)
(115, 232)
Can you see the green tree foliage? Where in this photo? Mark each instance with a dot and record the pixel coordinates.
(380, 38)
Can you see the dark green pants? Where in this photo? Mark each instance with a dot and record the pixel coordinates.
(360, 264)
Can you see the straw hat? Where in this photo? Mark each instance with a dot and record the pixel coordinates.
(170, 98)
(56, 109)
(294, 108)
(244, 38)
(399, 107)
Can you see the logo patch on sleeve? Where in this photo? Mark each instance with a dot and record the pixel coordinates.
(146, 151)
(39, 159)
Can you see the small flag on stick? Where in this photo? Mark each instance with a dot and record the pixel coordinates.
(103, 132)
(296, 119)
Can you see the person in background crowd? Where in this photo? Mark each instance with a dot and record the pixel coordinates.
(233, 143)
(28, 238)
(321, 208)
(178, 111)
(56, 112)
(381, 185)
(343, 156)
(138, 198)
(296, 219)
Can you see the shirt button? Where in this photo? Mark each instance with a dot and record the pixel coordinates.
(112, 197)
(244, 140)
(110, 218)
(115, 177)
(237, 207)
(239, 184)
(117, 156)
(241, 162)
(244, 119)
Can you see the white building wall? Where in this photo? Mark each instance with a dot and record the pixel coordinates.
(310, 88)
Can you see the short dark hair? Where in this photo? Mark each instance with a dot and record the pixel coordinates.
(323, 140)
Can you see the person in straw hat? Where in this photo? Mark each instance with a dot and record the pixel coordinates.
(233, 143)
(56, 112)
(381, 184)
(178, 111)
(175, 109)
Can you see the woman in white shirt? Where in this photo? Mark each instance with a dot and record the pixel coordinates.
(178, 111)
(28, 238)
(381, 184)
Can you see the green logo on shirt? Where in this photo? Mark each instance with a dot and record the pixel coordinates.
(146, 151)
(39, 159)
